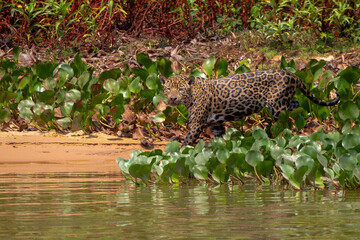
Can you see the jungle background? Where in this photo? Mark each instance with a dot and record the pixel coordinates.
(94, 65)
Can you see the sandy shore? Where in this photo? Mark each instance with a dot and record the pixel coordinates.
(37, 152)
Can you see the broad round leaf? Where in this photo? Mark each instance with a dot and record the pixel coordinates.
(73, 94)
(144, 60)
(78, 65)
(153, 82)
(67, 68)
(287, 170)
(208, 66)
(45, 70)
(202, 158)
(350, 141)
(200, 172)
(135, 85)
(254, 157)
(347, 161)
(64, 122)
(164, 67)
(83, 79)
(259, 133)
(171, 147)
(112, 86)
(221, 68)
(220, 174)
(5, 115)
(24, 108)
(222, 154)
(349, 110)
(305, 161)
(24, 82)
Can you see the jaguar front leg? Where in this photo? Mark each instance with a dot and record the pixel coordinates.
(197, 122)
(218, 130)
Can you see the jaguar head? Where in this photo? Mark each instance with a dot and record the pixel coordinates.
(177, 89)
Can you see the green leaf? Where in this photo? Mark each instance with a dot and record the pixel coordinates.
(113, 74)
(67, 68)
(305, 161)
(200, 172)
(199, 146)
(350, 141)
(140, 171)
(112, 86)
(83, 79)
(78, 65)
(208, 66)
(197, 73)
(24, 82)
(123, 164)
(158, 118)
(242, 68)
(135, 85)
(350, 74)
(140, 73)
(16, 52)
(144, 60)
(221, 68)
(64, 122)
(299, 176)
(164, 67)
(45, 70)
(219, 174)
(66, 109)
(348, 110)
(24, 108)
(153, 82)
(172, 147)
(5, 115)
(47, 96)
(73, 94)
(347, 161)
(265, 167)
(322, 160)
(78, 122)
(50, 83)
(222, 155)
(254, 157)
(259, 133)
(310, 151)
(202, 158)
(287, 171)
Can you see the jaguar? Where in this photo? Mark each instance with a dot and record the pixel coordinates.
(233, 97)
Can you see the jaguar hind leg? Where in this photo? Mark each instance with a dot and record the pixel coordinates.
(294, 104)
(217, 130)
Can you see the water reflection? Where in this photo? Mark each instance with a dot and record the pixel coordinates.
(105, 206)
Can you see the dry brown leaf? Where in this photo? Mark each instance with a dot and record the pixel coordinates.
(161, 106)
(138, 134)
(129, 116)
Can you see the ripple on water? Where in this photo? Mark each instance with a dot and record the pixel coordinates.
(105, 206)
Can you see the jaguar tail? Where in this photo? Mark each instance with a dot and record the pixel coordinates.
(309, 95)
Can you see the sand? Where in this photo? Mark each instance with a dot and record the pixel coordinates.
(52, 152)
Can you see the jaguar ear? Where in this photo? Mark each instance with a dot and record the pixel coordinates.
(191, 80)
(162, 79)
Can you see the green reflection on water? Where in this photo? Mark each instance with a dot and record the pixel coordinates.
(102, 206)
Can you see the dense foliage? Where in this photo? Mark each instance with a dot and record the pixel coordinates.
(319, 161)
(92, 23)
(68, 96)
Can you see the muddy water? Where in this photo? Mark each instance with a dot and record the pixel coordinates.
(60, 187)
(104, 206)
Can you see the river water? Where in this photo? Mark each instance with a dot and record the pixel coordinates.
(105, 206)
